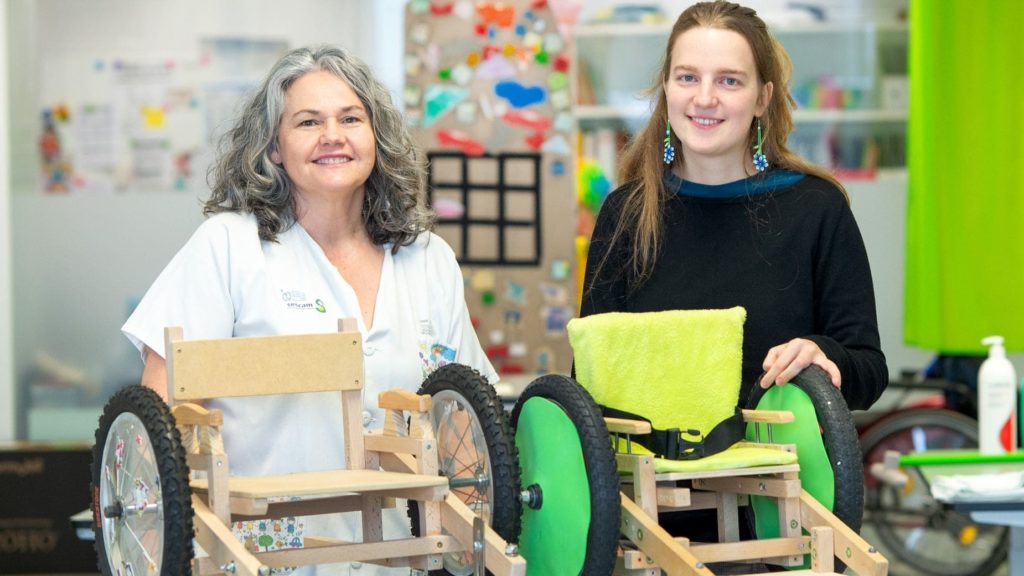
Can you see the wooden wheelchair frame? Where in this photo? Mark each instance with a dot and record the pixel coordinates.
(399, 461)
(645, 493)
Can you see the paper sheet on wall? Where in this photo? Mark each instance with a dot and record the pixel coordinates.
(142, 147)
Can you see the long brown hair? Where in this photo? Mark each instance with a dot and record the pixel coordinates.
(642, 167)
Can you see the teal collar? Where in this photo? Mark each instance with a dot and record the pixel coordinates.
(770, 181)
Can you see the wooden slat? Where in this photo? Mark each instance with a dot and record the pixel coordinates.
(750, 549)
(652, 539)
(623, 426)
(190, 414)
(256, 366)
(634, 563)
(852, 549)
(402, 399)
(457, 520)
(376, 442)
(669, 497)
(822, 552)
(773, 487)
(768, 416)
(328, 483)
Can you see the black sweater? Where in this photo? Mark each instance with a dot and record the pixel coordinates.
(784, 246)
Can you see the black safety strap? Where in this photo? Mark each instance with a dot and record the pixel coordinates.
(671, 444)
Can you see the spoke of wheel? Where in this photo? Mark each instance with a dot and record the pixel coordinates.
(452, 426)
(123, 468)
(465, 468)
(139, 542)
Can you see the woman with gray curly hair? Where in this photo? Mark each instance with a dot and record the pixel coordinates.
(316, 214)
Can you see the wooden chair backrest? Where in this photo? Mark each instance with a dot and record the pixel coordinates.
(264, 365)
(257, 366)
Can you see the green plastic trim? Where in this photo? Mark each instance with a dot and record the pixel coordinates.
(815, 468)
(941, 457)
(554, 538)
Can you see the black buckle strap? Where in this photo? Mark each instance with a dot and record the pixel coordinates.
(672, 443)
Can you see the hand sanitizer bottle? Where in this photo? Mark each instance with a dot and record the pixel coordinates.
(997, 401)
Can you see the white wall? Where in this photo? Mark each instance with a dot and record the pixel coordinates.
(79, 261)
(6, 356)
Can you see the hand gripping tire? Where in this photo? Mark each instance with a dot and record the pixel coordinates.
(571, 522)
(831, 468)
(925, 536)
(142, 504)
(476, 453)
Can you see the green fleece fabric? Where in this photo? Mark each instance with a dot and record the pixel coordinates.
(677, 368)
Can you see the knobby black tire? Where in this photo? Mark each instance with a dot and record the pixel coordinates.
(891, 428)
(599, 459)
(488, 412)
(176, 496)
(839, 435)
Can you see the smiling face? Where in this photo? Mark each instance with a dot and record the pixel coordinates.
(325, 140)
(713, 94)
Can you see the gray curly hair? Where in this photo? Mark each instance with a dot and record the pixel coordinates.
(245, 179)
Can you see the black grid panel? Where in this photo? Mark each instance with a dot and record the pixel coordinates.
(498, 226)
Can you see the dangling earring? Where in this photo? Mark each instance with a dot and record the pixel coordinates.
(670, 151)
(760, 161)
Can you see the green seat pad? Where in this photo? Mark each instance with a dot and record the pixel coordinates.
(733, 458)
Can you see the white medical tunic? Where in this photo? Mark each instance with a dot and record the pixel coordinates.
(226, 282)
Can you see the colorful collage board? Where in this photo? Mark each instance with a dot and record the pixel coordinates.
(487, 89)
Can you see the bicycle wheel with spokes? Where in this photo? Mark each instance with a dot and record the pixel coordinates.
(927, 537)
(475, 452)
(141, 498)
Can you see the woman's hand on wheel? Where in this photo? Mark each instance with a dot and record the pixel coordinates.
(785, 361)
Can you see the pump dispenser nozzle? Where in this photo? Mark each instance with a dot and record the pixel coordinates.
(995, 344)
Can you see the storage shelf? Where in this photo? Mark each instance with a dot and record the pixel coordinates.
(861, 115)
(663, 30)
(602, 113)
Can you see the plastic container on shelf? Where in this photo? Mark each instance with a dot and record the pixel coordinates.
(997, 400)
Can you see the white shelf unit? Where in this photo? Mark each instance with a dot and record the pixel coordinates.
(605, 113)
(849, 82)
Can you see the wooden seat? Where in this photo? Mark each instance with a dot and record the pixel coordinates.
(335, 483)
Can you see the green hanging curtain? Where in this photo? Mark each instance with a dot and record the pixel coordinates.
(965, 162)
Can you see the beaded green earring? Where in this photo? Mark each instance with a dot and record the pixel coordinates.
(760, 161)
(670, 151)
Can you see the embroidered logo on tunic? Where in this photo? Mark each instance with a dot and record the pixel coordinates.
(297, 300)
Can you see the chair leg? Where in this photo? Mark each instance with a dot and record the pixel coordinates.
(373, 527)
(863, 558)
(822, 550)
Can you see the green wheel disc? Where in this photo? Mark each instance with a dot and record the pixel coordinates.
(554, 537)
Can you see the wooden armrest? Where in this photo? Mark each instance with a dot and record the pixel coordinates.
(623, 426)
(401, 399)
(190, 414)
(768, 416)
